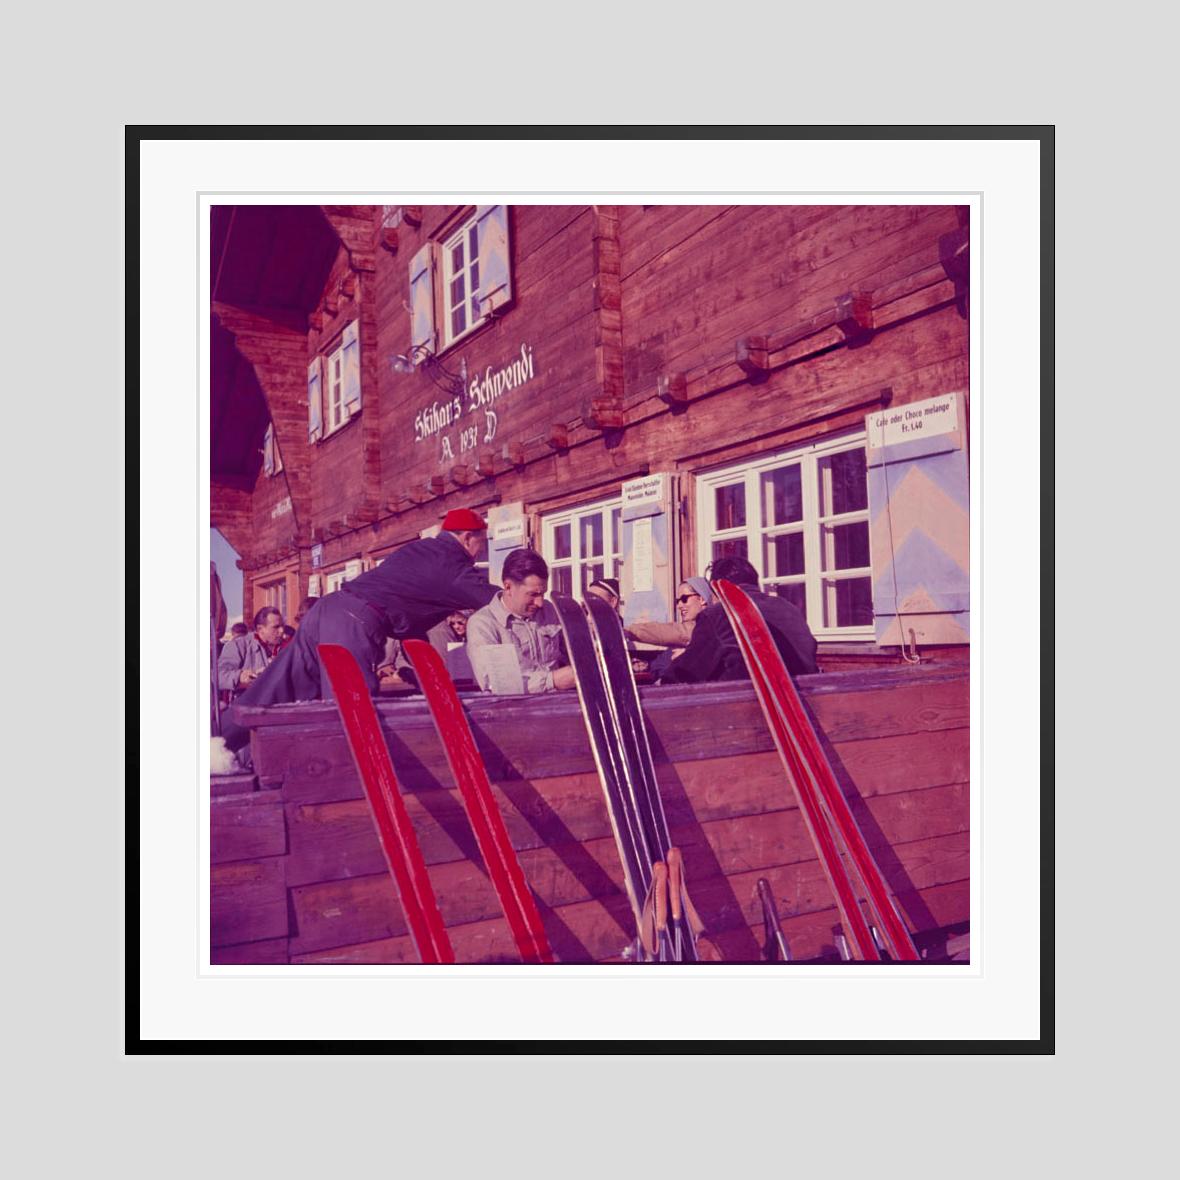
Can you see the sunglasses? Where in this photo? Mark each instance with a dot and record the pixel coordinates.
(686, 597)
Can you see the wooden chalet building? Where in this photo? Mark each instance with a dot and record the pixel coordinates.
(631, 390)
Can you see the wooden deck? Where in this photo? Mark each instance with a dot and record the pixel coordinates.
(298, 876)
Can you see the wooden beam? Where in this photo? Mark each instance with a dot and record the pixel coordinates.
(389, 240)
(558, 437)
(602, 413)
(460, 475)
(672, 388)
(513, 454)
(436, 485)
(753, 357)
(854, 316)
(486, 466)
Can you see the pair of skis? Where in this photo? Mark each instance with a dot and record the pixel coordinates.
(667, 925)
(834, 831)
(394, 827)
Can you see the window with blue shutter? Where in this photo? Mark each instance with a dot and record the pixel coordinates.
(474, 279)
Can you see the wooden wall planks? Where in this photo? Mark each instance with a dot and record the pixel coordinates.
(898, 739)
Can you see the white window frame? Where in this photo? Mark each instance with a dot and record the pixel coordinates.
(338, 413)
(817, 581)
(275, 594)
(334, 580)
(462, 235)
(611, 559)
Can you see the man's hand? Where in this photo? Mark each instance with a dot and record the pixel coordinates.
(247, 675)
(564, 677)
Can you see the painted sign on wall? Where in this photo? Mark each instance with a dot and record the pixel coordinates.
(463, 422)
(936, 415)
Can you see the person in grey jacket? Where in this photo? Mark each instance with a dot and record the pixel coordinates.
(244, 659)
(520, 618)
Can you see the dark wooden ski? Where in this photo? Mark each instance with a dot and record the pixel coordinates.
(394, 828)
(623, 698)
(487, 822)
(634, 854)
(814, 778)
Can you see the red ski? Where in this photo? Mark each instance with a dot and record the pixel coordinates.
(394, 829)
(487, 823)
(822, 802)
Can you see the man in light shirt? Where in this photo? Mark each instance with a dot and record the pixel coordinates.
(520, 617)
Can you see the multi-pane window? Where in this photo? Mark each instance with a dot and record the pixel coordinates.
(801, 518)
(337, 414)
(334, 581)
(275, 594)
(460, 254)
(582, 545)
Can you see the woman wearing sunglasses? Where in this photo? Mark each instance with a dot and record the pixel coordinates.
(692, 596)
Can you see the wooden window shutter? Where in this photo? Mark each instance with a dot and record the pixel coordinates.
(352, 367)
(920, 536)
(422, 298)
(268, 449)
(647, 582)
(315, 414)
(495, 258)
(507, 530)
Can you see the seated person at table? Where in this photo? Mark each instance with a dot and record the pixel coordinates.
(713, 653)
(608, 590)
(520, 617)
(245, 658)
(692, 596)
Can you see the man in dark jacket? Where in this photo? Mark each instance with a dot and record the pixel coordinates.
(406, 595)
(713, 652)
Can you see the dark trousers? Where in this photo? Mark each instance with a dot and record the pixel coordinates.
(296, 673)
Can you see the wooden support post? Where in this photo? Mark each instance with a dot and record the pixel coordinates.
(558, 437)
(753, 358)
(603, 414)
(513, 454)
(348, 285)
(389, 240)
(418, 495)
(486, 466)
(854, 316)
(460, 475)
(412, 215)
(672, 388)
(954, 252)
(436, 485)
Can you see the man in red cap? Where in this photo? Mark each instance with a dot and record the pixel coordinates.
(408, 593)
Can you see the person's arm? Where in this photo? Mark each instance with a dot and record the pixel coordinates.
(704, 655)
(470, 588)
(482, 633)
(229, 666)
(677, 634)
